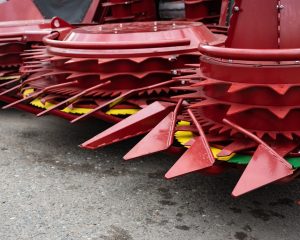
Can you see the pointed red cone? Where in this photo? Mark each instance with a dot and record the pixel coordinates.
(281, 89)
(196, 158)
(135, 125)
(159, 139)
(280, 112)
(265, 167)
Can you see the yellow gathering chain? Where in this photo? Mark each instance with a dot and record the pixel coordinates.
(37, 103)
(183, 137)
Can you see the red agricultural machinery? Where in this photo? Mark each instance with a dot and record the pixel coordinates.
(242, 106)
(24, 31)
(17, 37)
(145, 67)
(111, 70)
(222, 101)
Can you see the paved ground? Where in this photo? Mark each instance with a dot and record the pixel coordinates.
(51, 189)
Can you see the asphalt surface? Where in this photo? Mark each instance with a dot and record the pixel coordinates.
(52, 189)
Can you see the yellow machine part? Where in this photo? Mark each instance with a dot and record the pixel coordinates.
(183, 137)
(116, 112)
(7, 78)
(122, 111)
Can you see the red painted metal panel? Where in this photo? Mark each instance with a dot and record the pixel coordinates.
(196, 158)
(289, 24)
(254, 25)
(19, 10)
(265, 167)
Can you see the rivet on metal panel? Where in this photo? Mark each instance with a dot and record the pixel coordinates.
(280, 7)
(236, 9)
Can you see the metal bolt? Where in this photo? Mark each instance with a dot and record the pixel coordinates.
(172, 59)
(236, 9)
(174, 72)
(56, 23)
(279, 7)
